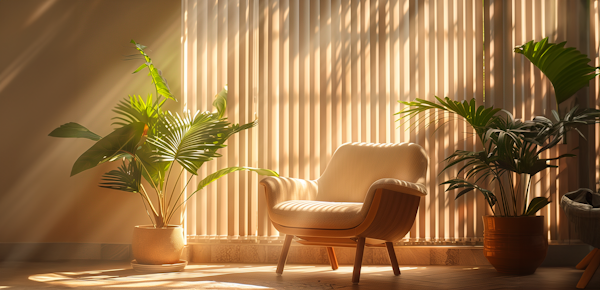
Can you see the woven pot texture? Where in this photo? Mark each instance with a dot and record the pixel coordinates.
(583, 217)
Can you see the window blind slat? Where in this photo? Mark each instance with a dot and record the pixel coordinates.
(321, 73)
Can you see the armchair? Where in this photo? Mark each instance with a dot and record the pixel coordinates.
(367, 196)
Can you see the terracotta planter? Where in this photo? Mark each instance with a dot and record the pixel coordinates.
(514, 245)
(156, 246)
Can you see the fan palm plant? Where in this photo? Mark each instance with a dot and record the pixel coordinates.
(149, 142)
(512, 148)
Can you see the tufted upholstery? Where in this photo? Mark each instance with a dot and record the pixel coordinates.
(342, 196)
(367, 191)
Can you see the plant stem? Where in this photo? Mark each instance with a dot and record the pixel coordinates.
(156, 215)
(513, 193)
(147, 198)
(526, 195)
(165, 187)
(146, 208)
(503, 193)
(174, 187)
(180, 194)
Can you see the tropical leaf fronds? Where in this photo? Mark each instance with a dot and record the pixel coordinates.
(477, 165)
(466, 186)
(74, 130)
(567, 68)
(479, 117)
(160, 83)
(153, 170)
(190, 140)
(236, 128)
(122, 140)
(126, 178)
(135, 109)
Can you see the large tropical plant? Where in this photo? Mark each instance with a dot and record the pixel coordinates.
(511, 151)
(149, 142)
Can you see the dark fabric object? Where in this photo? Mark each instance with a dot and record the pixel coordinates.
(585, 196)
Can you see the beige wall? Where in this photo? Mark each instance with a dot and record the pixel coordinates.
(62, 61)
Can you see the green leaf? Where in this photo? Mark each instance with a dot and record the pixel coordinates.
(153, 170)
(477, 117)
(566, 68)
(220, 102)
(140, 68)
(535, 205)
(122, 140)
(135, 109)
(162, 88)
(222, 172)
(74, 130)
(190, 141)
(236, 128)
(126, 178)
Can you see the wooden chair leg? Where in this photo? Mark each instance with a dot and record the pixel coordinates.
(589, 271)
(284, 253)
(360, 249)
(332, 258)
(586, 261)
(393, 260)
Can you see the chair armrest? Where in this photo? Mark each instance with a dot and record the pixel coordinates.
(280, 189)
(396, 185)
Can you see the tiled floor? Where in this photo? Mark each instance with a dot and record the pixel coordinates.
(119, 275)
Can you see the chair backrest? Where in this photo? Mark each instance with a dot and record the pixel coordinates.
(355, 166)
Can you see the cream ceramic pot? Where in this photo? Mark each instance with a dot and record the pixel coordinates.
(156, 246)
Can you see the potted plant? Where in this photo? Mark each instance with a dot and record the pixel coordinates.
(154, 148)
(514, 241)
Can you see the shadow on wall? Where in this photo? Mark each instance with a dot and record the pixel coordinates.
(62, 61)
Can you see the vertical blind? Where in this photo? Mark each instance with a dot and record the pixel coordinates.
(318, 74)
(594, 53)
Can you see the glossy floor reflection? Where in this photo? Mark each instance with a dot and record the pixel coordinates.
(119, 275)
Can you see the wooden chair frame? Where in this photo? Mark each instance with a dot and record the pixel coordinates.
(590, 263)
(389, 218)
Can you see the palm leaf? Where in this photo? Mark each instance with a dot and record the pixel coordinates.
(74, 130)
(122, 140)
(135, 109)
(468, 186)
(126, 178)
(566, 68)
(477, 117)
(222, 172)
(190, 141)
(153, 170)
(162, 88)
(535, 205)
(220, 102)
(236, 128)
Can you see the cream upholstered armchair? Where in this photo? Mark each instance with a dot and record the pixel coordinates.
(368, 195)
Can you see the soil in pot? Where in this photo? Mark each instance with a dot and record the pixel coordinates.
(515, 245)
(156, 246)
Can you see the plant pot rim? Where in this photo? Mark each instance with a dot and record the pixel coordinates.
(167, 227)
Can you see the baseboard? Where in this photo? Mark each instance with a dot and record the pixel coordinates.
(563, 255)
(63, 251)
(300, 254)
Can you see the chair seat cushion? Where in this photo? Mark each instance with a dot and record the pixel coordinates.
(318, 214)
